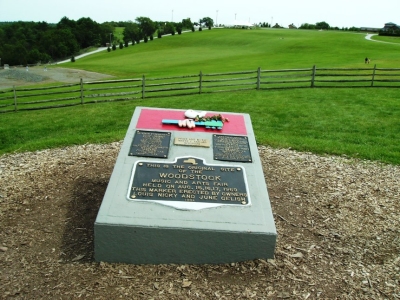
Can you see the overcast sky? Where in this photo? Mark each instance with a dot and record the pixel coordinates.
(340, 13)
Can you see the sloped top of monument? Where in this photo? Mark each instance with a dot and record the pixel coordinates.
(151, 118)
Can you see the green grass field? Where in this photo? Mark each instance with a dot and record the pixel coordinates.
(389, 39)
(362, 122)
(224, 50)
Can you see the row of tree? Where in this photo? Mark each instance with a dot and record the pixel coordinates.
(144, 28)
(33, 42)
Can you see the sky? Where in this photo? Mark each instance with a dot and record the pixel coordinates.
(337, 13)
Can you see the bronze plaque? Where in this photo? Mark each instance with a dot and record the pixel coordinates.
(192, 142)
(190, 180)
(150, 144)
(231, 148)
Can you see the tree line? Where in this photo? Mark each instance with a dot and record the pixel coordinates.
(33, 42)
(26, 43)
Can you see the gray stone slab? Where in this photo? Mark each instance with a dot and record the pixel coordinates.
(153, 230)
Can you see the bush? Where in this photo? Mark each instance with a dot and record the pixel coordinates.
(126, 43)
(114, 47)
(151, 37)
(121, 46)
(146, 39)
(192, 28)
(108, 49)
(159, 35)
(200, 29)
(72, 58)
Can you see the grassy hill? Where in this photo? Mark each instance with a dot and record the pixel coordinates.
(357, 122)
(224, 50)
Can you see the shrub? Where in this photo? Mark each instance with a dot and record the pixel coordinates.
(126, 43)
(200, 29)
(72, 58)
(159, 35)
(192, 28)
(146, 39)
(151, 37)
(114, 47)
(121, 46)
(108, 49)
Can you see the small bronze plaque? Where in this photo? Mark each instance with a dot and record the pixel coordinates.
(150, 144)
(231, 148)
(192, 142)
(190, 180)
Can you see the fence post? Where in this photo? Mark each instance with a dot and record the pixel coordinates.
(373, 75)
(313, 76)
(143, 86)
(200, 82)
(15, 98)
(81, 90)
(258, 77)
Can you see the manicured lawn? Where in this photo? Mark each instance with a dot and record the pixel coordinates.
(358, 122)
(390, 39)
(226, 50)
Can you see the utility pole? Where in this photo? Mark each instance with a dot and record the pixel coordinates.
(216, 19)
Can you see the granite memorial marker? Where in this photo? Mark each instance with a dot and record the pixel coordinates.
(186, 191)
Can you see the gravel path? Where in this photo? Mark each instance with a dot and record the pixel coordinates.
(39, 74)
(338, 225)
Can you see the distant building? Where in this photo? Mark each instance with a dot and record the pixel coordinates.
(370, 29)
(292, 26)
(391, 28)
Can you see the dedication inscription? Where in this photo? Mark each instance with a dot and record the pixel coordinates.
(190, 180)
(150, 144)
(231, 148)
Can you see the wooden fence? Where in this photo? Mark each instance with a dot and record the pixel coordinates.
(18, 99)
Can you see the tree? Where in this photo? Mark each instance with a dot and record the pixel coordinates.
(169, 28)
(59, 43)
(307, 26)
(187, 23)
(146, 25)
(87, 32)
(207, 21)
(132, 32)
(179, 28)
(322, 25)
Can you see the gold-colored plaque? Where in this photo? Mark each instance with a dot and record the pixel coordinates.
(192, 142)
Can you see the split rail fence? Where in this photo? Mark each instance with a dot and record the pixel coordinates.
(18, 99)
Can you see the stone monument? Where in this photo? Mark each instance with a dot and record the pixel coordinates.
(186, 191)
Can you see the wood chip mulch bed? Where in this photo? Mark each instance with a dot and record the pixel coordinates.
(338, 222)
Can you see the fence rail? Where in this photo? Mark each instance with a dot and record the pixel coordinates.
(18, 99)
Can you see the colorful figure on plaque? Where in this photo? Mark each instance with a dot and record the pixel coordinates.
(199, 119)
